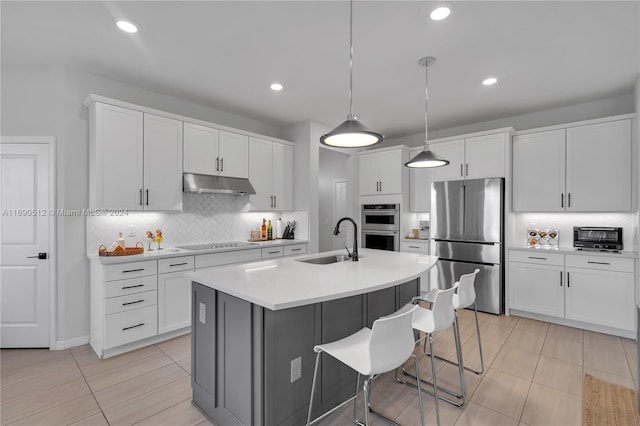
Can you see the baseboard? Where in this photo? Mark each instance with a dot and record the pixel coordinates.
(61, 345)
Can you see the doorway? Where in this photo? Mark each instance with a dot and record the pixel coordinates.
(27, 225)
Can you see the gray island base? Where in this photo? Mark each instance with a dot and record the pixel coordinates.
(253, 365)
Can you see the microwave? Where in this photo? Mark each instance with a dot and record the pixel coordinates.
(598, 238)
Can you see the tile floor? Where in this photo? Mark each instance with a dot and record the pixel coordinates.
(534, 373)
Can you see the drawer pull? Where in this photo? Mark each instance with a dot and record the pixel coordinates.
(539, 258)
(178, 264)
(133, 303)
(133, 270)
(415, 247)
(132, 286)
(133, 326)
(274, 252)
(599, 263)
(298, 249)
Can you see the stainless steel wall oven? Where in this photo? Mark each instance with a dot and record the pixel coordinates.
(380, 224)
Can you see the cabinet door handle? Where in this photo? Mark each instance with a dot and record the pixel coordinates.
(560, 278)
(466, 169)
(461, 174)
(275, 201)
(178, 264)
(133, 303)
(133, 326)
(133, 270)
(147, 197)
(271, 202)
(380, 186)
(568, 282)
(140, 196)
(539, 258)
(599, 263)
(569, 199)
(132, 286)
(217, 164)
(562, 200)
(222, 164)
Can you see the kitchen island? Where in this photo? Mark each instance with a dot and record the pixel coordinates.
(255, 326)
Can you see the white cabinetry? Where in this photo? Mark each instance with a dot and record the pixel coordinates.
(588, 291)
(210, 151)
(174, 293)
(135, 160)
(381, 172)
(419, 187)
(271, 174)
(556, 170)
(473, 157)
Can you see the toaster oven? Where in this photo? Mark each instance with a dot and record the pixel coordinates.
(598, 238)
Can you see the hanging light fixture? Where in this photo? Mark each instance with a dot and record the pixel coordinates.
(426, 158)
(351, 133)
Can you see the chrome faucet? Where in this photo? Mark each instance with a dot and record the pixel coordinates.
(336, 231)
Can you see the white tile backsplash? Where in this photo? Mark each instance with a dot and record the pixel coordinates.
(564, 223)
(206, 218)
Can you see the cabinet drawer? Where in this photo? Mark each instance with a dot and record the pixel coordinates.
(184, 263)
(130, 270)
(537, 256)
(228, 258)
(295, 249)
(600, 262)
(415, 247)
(130, 302)
(127, 327)
(272, 252)
(130, 286)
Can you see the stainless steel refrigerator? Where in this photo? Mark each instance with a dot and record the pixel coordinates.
(468, 229)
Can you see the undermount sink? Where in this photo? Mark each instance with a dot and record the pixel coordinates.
(334, 258)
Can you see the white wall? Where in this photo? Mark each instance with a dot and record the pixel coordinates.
(617, 105)
(48, 101)
(333, 168)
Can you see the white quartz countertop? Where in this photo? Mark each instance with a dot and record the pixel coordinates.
(176, 252)
(287, 283)
(570, 250)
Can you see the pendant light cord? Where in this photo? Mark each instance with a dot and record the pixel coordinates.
(426, 103)
(351, 117)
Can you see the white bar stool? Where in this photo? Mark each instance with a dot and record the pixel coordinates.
(439, 317)
(371, 351)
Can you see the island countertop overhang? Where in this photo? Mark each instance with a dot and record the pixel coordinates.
(287, 283)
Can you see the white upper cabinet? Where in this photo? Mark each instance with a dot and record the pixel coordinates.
(211, 151)
(604, 147)
(585, 168)
(538, 172)
(162, 163)
(474, 157)
(136, 160)
(271, 175)
(419, 187)
(381, 172)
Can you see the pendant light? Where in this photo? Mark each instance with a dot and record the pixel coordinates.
(351, 133)
(426, 158)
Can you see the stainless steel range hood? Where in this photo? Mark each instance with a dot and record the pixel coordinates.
(201, 184)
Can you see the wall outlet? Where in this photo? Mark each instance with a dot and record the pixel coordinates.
(296, 369)
(132, 231)
(202, 313)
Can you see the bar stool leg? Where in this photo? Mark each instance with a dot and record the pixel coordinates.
(366, 400)
(355, 400)
(475, 310)
(313, 386)
(463, 384)
(415, 364)
(435, 382)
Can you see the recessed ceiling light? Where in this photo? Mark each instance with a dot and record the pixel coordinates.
(441, 11)
(489, 81)
(276, 87)
(127, 26)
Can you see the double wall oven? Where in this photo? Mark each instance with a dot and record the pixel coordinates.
(380, 224)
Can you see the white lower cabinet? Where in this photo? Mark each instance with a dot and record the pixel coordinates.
(581, 289)
(174, 293)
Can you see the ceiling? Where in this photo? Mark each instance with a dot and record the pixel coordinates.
(225, 54)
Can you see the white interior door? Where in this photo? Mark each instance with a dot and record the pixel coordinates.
(340, 203)
(24, 277)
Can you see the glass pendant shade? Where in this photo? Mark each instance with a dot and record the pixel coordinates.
(426, 158)
(351, 134)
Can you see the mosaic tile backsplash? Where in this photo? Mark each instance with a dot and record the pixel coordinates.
(205, 218)
(564, 223)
